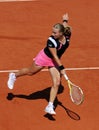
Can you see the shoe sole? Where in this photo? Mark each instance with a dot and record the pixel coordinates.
(50, 113)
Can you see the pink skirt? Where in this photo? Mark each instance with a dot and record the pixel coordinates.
(43, 60)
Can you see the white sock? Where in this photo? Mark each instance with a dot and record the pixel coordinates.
(50, 103)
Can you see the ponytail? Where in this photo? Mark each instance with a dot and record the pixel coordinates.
(67, 31)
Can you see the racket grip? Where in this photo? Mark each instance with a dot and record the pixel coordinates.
(66, 77)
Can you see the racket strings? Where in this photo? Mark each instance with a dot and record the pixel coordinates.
(76, 94)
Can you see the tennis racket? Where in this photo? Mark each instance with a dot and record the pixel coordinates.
(76, 93)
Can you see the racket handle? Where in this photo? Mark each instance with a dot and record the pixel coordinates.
(66, 77)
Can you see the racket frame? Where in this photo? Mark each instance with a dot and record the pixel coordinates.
(70, 84)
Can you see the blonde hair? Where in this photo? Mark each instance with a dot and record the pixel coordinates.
(65, 30)
(60, 27)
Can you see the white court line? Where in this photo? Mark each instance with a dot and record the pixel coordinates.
(68, 69)
(15, 0)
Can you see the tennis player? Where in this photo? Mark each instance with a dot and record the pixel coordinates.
(49, 57)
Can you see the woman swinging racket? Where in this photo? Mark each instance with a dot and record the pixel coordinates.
(50, 56)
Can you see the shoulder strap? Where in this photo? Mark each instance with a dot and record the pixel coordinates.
(53, 41)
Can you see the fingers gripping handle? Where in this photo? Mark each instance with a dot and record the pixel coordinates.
(66, 77)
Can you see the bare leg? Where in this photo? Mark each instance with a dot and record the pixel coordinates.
(29, 71)
(25, 71)
(56, 82)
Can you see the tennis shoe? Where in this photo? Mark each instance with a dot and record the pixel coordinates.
(11, 80)
(50, 110)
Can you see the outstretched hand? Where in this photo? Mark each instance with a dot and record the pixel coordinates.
(66, 17)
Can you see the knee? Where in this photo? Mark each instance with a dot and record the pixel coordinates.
(56, 82)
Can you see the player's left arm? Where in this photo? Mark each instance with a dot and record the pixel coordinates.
(65, 19)
(68, 28)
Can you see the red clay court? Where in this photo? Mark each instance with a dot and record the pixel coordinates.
(24, 29)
